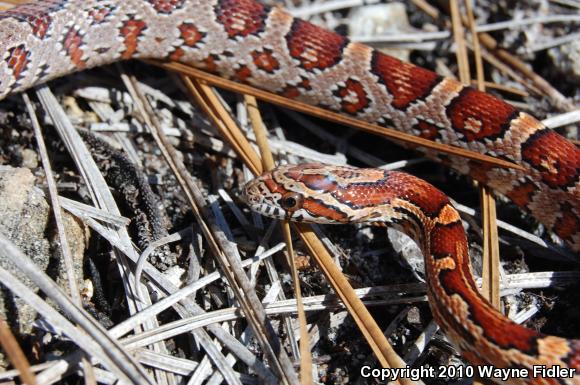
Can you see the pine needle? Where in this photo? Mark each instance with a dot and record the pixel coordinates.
(15, 354)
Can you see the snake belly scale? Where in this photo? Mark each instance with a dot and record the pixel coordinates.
(249, 42)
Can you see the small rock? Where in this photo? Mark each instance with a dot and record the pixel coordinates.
(566, 58)
(25, 218)
(29, 158)
(409, 250)
(414, 316)
(23, 215)
(380, 19)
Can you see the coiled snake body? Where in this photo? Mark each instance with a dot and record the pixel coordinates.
(249, 42)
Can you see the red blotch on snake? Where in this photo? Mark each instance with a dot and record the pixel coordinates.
(131, 31)
(315, 48)
(72, 43)
(557, 159)
(241, 18)
(353, 97)
(166, 6)
(404, 81)
(18, 60)
(478, 115)
(264, 59)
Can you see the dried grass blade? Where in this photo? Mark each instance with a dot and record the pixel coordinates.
(55, 204)
(94, 339)
(499, 87)
(221, 248)
(429, 9)
(476, 47)
(268, 164)
(367, 325)
(259, 129)
(490, 288)
(58, 218)
(460, 45)
(85, 211)
(572, 117)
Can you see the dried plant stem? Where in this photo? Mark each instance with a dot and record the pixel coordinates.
(225, 254)
(461, 47)
(268, 164)
(67, 257)
(386, 356)
(490, 287)
(15, 354)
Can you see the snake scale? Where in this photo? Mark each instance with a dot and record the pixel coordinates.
(249, 42)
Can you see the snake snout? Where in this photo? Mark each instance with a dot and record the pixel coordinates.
(259, 198)
(251, 193)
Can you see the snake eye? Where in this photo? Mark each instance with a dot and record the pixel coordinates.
(291, 201)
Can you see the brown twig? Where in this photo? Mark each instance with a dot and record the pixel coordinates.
(15, 354)
(268, 164)
(490, 275)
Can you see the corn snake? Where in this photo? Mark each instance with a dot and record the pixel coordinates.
(249, 42)
(318, 193)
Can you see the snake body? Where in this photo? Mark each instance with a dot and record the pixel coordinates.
(318, 193)
(247, 41)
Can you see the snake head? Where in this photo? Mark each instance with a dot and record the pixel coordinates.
(268, 195)
(325, 194)
(301, 193)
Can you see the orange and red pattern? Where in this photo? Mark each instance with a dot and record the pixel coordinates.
(241, 18)
(342, 194)
(313, 47)
(406, 82)
(271, 50)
